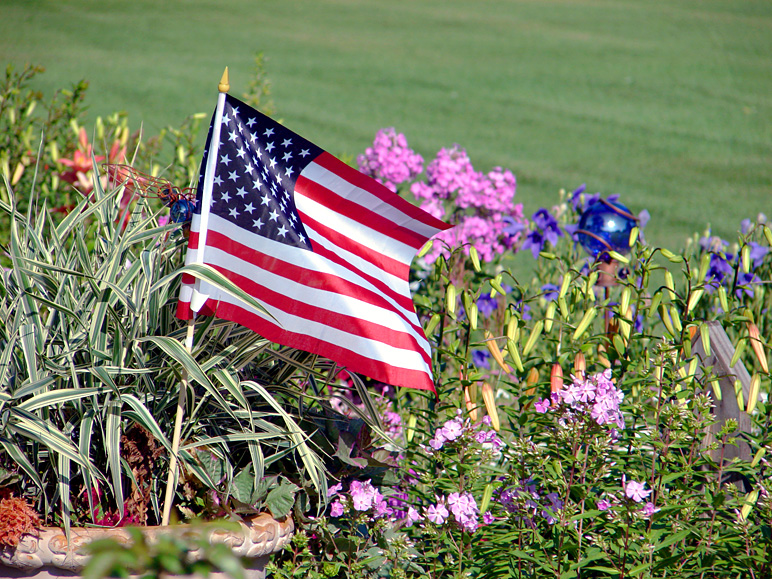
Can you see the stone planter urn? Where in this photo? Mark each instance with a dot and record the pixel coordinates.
(49, 555)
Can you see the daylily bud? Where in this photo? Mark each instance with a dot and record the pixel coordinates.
(425, 249)
(556, 378)
(705, 337)
(475, 258)
(411, 422)
(580, 366)
(535, 333)
(450, 300)
(493, 348)
(549, 317)
(490, 405)
(531, 380)
(745, 254)
(758, 346)
(584, 324)
(469, 400)
(753, 395)
(693, 299)
(768, 235)
(512, 349)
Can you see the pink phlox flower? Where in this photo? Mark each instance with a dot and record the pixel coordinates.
(437, 513)
(390, 160)
(334, 490)
(489, 437)
(636, 491)
(603, 505)
(648, 509)
(585, 390)
(393, 423)
(453, 429)
(488, 518)
(364, 495)
(336, 510)
(542, 406)
(570, 395)
(464, 509)
(382, 509)
(413, 516)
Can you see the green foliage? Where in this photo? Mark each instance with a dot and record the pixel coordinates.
(666, 104)
(258, 94)
(557, 482)
(168, 555)
(90, 349)
(34, 132)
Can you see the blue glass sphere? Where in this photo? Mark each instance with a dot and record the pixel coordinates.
(605, 226)
(182, 211)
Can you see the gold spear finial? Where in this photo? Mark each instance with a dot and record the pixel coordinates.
(224, 85)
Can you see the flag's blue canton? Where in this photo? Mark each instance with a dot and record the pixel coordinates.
(258, 164)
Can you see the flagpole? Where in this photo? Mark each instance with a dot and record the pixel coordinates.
(198, 298)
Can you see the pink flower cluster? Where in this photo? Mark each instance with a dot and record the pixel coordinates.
(363, 496)
(463, 506)
(455, 428)
(596, 394)
(390, 161)
(484, 213)
(481, 206)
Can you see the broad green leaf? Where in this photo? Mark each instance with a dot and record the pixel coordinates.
(280, 500)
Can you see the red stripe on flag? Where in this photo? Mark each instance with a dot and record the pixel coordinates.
(308, 278)
(354, 211)
(378, 259)
(379, 190)
(375, 369)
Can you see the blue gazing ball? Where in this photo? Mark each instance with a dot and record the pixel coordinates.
(605, 226)
(182, 211)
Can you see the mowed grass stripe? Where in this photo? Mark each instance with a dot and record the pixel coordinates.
(668, 104)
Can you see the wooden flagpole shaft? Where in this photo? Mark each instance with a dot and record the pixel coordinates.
(171, 482)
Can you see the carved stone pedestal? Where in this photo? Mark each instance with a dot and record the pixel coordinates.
(50, 555)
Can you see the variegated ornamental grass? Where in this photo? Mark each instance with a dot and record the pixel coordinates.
(89, 345)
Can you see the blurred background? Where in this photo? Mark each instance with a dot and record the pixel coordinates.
(668, 104)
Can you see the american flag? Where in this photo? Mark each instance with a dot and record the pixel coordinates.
(326, 249)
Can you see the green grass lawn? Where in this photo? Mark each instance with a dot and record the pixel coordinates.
(667, 103)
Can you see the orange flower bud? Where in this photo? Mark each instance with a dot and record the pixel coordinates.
(531, 380)
(556, 378)
(580, 366)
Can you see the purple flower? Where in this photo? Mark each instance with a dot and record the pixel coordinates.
(364, 495)
(464, 509)
(437, 513)
(334, 490)
(535, 242)
(648, 510)
(758, 252)
(636, 491)
(336, 510)
(488, 518)
(603, 505)
(542, 406)
(575, 198)
(551, 291)
(486, 304)
(481, 359)
(745, 283)
(413, 516)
